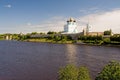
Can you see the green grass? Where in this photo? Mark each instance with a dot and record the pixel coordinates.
(46, 40)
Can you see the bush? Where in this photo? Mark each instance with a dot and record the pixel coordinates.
(83, 74)
(108, 32)
(115, 38)
(106, 40)
(71, 72)
(110, 72)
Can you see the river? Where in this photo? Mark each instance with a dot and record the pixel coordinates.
(41, 61)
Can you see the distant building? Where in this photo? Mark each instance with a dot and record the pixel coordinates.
(8, 37)
(70, 27)
(95, 33)
(87, 33)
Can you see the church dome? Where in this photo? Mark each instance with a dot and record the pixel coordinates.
(71, 20)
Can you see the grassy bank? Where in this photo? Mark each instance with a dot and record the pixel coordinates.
(48, 41)
(83, 42)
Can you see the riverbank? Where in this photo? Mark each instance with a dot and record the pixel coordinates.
(78, 42)
(49, 41)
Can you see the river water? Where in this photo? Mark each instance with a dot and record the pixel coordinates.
(41, 61)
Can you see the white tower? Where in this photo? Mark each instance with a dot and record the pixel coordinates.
(71, 26)
(87, 28)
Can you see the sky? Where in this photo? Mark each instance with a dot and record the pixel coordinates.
(27, 16)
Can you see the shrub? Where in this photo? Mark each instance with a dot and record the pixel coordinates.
(106, 40)
(110, 72)
(71, 72)
(83, 74)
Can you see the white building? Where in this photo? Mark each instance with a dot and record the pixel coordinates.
(70, 27)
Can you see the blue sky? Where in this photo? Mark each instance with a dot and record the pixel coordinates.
(47, 15)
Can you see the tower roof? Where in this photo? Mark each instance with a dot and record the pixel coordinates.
(71, 20)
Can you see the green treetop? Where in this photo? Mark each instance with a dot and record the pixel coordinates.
(110, 72)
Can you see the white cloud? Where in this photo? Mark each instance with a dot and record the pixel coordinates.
(99, 21)
(102, 21)
(8, 6)
(89, 10)
(29, 24)
(52, 24)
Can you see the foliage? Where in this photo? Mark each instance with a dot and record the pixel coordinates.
(23, 37)
(90, 38)
(108, 32)
(71, 72)
(52, 32)
(115, 38)
(42, 33)
(82, 38)
(50, 37)
(1, 36)
(56, 38)
(33, 33)
(83, 74)
(106, 40)
(15, 36)
(110, 72)
(69, 38)
(63, 38)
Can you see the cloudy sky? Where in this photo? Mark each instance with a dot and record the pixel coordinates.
(51, 15)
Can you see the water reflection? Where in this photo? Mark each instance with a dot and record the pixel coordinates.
(71, 54)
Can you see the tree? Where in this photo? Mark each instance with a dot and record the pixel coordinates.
(33, 33)
(110, 72)
(57, 38)
(69, 37)
(108, 32)
(15, 36)
(52, 32)
(63, 38)
(1, 36)
(42, 33)
(50, 37)
(83, 74)
(69, 72)
(115, 38)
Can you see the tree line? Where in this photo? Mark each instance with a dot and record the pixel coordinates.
(57, 36)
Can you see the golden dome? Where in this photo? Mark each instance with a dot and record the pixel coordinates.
(71, 20)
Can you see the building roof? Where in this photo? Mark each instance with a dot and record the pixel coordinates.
(71, 20)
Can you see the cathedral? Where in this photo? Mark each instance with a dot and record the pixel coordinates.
(70, 27)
